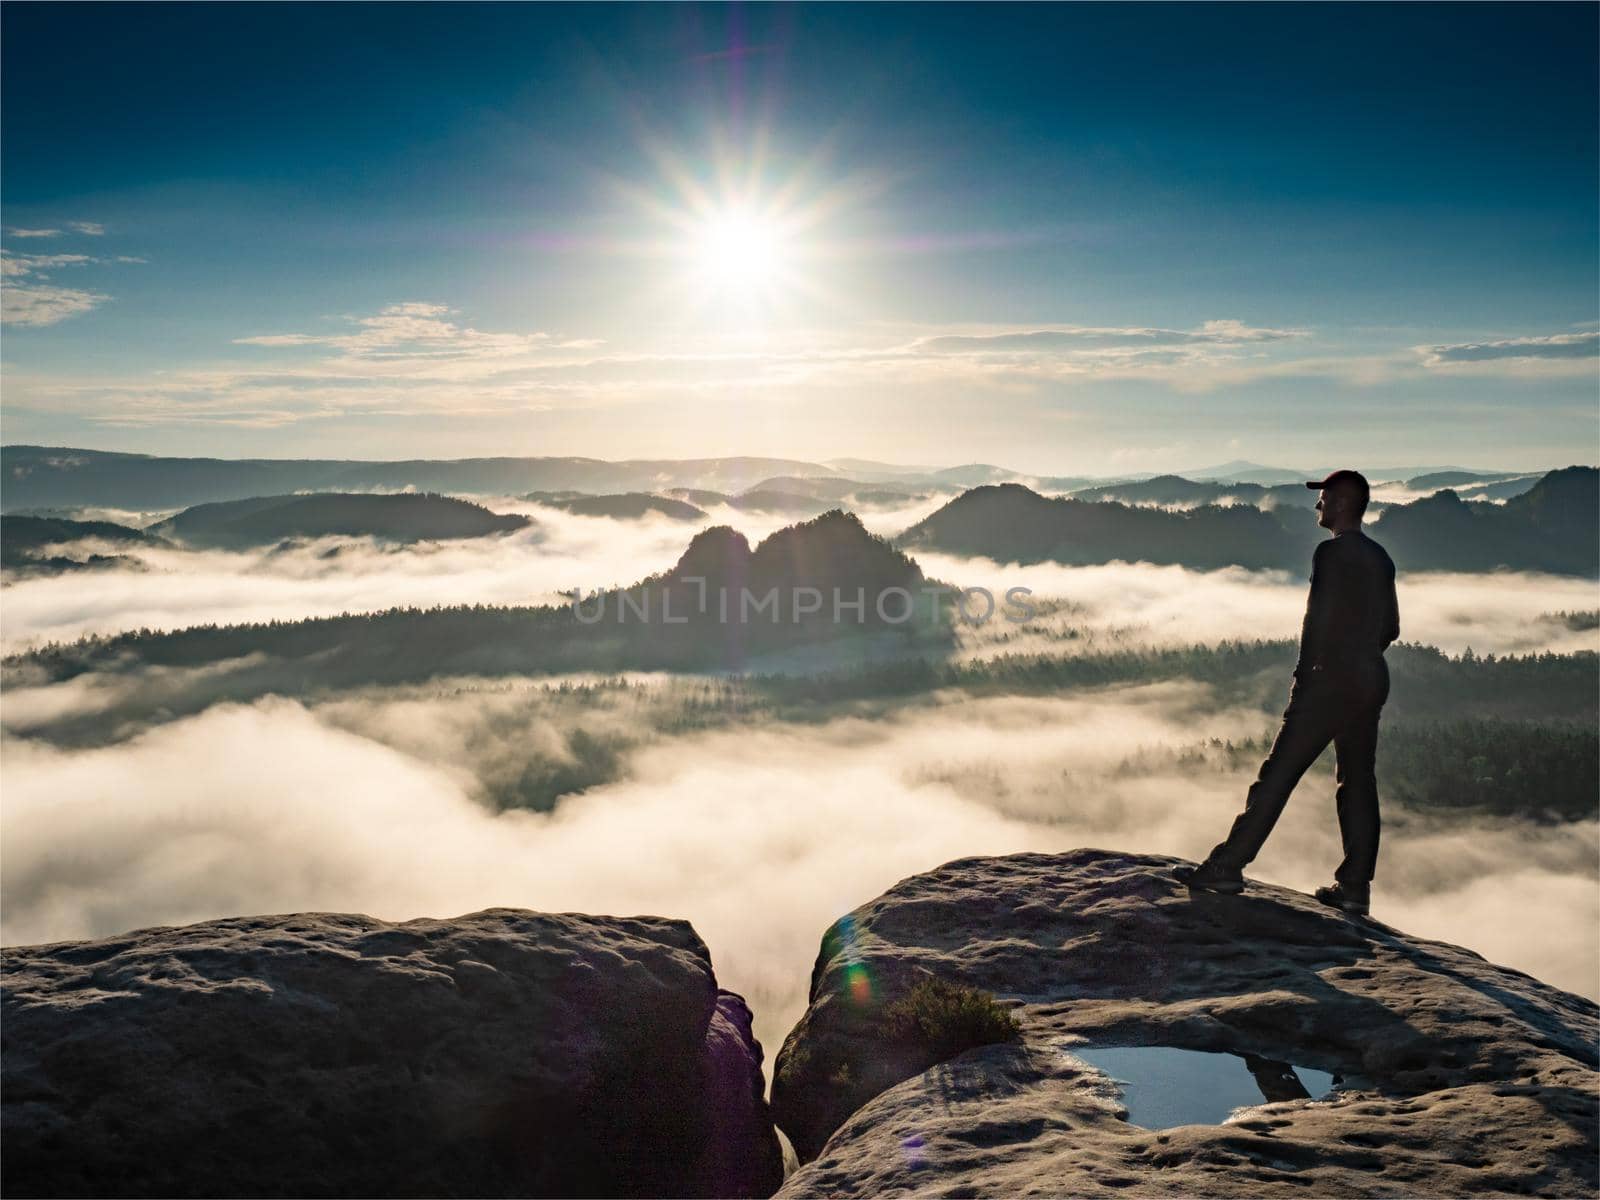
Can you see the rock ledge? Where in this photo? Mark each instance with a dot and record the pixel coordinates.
(504, 1053)
(1461, 1077)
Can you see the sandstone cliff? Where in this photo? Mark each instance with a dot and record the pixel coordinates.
(505, 1053)
(1458, 1077)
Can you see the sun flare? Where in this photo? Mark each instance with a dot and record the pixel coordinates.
(746, 240)
(743, 247)
(740, 251)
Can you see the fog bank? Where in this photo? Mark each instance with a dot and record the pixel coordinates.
(759, 835)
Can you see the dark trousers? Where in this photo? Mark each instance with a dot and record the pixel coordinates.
(1343, 710)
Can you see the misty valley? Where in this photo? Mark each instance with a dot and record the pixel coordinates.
(386, 701)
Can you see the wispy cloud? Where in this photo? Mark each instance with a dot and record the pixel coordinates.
(27, 296)
(414, 329)
(408, 358)
(43, 304)
(1212, 354)
(16, 266)
(420, 357)
(25, 299)
(1081, 337)
(1555, 346)
(88, 228)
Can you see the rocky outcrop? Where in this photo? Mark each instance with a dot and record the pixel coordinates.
(1459, 1077)
(505, 1053)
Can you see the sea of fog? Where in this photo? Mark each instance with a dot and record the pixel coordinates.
(762, 833)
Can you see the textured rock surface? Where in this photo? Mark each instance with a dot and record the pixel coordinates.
(501, 1053)
(1463, 1078)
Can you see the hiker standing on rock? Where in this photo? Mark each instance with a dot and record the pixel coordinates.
(1340, 684)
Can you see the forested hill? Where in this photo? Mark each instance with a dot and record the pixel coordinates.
(400, 517)
(1553, 526)
(25, 542)
(624, 506)
(1010, 523)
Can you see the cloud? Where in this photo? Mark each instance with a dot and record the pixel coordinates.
(1079, 337)
(413, 330)
(418, 356)
(1116, 605)
(25, 299)
(421, 359)
(761, 835)
(39, 304)
(88, 228)
(17, 266)
(1555, 346)
(407, 359)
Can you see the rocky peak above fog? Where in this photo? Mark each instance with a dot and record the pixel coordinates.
(1458, 1077)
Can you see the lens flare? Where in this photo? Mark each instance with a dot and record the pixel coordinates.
(749, 240)
(741, 251)
(857, 981)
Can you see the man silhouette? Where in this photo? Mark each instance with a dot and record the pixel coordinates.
(1340, 684)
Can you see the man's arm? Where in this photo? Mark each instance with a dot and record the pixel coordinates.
(1391, 625)
(1321, 608)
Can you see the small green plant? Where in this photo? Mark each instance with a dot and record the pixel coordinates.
(795, 1065)
(948, 1018)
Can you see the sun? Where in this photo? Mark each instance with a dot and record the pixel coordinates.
(748, 240)
(740, 251)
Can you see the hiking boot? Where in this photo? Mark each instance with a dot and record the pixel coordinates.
(1211, 877)
(1350, 897)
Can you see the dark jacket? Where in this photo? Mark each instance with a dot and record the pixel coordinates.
(1352, 614)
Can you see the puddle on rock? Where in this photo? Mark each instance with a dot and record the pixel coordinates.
(1163, 1086)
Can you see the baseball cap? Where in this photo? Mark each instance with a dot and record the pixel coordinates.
(1351, 477)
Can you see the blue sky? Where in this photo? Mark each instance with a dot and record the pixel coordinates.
(1063, 238)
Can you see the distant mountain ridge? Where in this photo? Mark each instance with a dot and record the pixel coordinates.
(1176, 490)
(1544, 523)
(1241, 471)
(58, 477)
